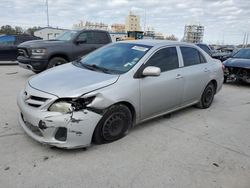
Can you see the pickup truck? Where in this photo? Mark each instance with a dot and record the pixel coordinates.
(40, 55)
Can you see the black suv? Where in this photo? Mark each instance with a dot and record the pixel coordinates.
(43, 54)
(8, 45)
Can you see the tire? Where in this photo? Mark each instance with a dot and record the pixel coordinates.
(114, 124)
(207, 97)
(37, 71)
(55, 61)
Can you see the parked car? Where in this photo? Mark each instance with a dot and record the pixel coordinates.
(41, 55)
(101, 96)
(238, 66)
(206, 48)
(8, 45)
(222, 56)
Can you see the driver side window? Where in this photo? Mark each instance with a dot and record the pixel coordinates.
(86, 36)
(166, 59)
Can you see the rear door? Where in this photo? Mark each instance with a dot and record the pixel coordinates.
(195, 73)
(162, 93)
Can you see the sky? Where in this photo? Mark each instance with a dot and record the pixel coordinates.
(225, 21)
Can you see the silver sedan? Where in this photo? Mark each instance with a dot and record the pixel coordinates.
(101, 96)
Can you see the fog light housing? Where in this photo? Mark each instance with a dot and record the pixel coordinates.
(42, 125)
(61, 134)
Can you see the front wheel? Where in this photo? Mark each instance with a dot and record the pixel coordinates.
(114, 124)
(55, 61)
(207, 97)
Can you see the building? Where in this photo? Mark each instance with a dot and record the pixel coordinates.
(48, 33)
(193, 33)
(90, 25)
(132, 22)
(118, 36)
(118, 28)
(149, 33)
(159, 36)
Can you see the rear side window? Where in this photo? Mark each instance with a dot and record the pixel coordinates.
(101, 38)
(191, 56)
(166, 59)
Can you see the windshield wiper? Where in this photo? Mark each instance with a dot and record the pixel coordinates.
(96, 67)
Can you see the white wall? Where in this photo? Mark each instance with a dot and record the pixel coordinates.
(48, 33)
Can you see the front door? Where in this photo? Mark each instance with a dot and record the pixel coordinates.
(82, 48)
(162, 93)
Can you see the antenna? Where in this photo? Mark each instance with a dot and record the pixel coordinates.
(47, 5)
(145, 20)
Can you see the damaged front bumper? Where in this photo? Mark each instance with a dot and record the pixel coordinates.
(71, 130)
(237, 73)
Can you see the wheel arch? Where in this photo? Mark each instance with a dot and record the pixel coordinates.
(214, 82)
(62, 55)
(130, 107)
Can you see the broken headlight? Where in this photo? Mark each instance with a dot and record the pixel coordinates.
(63, 107)
(69, 105)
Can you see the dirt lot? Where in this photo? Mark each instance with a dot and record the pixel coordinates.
(194, 148)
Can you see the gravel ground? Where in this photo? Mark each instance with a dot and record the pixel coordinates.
(192, 148)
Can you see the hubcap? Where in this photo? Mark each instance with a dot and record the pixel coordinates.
(208, 96)
(113, 126)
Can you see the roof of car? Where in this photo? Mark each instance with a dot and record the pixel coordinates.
(156, 42)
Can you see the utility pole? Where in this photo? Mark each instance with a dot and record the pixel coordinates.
(243, 44)
(47, 6)
(145, 19)
(246, 40)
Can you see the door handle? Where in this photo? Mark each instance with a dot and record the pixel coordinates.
(179, 76)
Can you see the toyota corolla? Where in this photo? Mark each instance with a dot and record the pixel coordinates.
(101, 96)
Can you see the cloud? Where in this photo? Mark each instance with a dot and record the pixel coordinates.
(228, 18)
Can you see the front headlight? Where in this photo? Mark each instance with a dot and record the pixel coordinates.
(38, 51)
(63, 107)
(68, 105)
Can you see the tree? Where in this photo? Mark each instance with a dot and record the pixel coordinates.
(31, 30)
(18, 30)
(172, 37)
(7, 29)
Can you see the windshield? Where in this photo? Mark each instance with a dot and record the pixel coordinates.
(243, 53)
(68, 35)
(116, 58)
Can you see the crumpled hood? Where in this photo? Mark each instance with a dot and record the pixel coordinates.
(237, 62)
(71, 81)
(40, 43)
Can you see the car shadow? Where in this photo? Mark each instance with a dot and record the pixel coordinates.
(237, 84)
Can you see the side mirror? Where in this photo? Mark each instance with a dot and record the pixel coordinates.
(151, 71)
(80, 41)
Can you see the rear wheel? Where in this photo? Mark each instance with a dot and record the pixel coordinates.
(55, 61)
(113, 125)
(207, 97)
